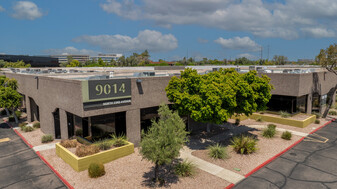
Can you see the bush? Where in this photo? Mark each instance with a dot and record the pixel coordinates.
(244, 144)
(36, 125)
(237, 121)
(286, 135)
(269, 132)
(47, 138)
(79, 132)
(68, 143)
(83, 140)
(27, 129)
(104, 144)
(317, 121)
(318, 115)
(259, 119)
(332, 112)
(83, 150)
(23, 124)
(96, 170)
(18, 114)
(217, 151)
(184, 169)
(11, 118)
(284, 114)
(120, 140)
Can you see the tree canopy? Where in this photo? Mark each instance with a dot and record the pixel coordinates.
(164, 139)
(217, 96)
(327, 58)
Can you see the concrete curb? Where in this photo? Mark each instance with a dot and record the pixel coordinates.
(279, 154)
(43, 159)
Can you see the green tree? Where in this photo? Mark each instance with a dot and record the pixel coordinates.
(10, 99)
(280, 60)
(18, 64)
(327, 58)
(74, 63)
(217, 96)
(164, 139)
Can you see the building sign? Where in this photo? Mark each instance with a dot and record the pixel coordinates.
(109, 92)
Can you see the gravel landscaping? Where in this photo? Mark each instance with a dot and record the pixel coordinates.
(34, 137)
(129, 172)
(267, 148)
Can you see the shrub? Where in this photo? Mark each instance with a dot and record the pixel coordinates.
(11, 118)
(83, 150)
(284, 114)
(217, 151)
(18, 114)
(332, 112)
(79, 132)
(269, 132)
(272, 126)
(237, 121)
(68, 143)
(83, 140)
(244, 144)
(259, 119)
(184, 169)
(318, 115)
(317, 121)
(36, 125)
(23, 124)
(47, 138)
(104, 144)
(120, 140)
(96, 170)
(286, 135)
(28, 129)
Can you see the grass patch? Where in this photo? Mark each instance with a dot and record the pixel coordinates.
(184, 169)
(244, 144)
(286, 135)
(284, 114)
(47, 138)
(217, 151)
(104, 144)
(270, 131)
(259, 119)
(27, 129)
(36, 125)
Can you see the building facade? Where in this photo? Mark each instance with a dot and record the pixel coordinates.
(34, 61)
(106, 57)
(126, 103)
(67, 57)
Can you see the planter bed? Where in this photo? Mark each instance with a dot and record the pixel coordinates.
(286, 121)
(82, 163)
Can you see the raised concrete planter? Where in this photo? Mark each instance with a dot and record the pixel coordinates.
(82, 163)
(285, 121)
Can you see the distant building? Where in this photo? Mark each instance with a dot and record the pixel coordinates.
(106, 57)
(305, 61)
(64, 58)
(34, 61)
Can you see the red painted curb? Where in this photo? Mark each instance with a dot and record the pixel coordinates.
(52, 168)
(43, 159)
(279, 154)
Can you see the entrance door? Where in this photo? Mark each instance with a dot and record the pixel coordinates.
(57, 127)
(85, 126)
(70, 123)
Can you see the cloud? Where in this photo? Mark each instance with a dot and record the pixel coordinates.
(201, 40)
(286, 19)
(247, 55)
(145, 40)
(238, 43)
(318, 32)
(2, 9)
(69, 50)
(26, 10)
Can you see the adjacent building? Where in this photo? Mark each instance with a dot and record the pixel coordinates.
(106, 57)
(34, 61)
(64, 58)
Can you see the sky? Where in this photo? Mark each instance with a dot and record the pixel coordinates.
(169, 29)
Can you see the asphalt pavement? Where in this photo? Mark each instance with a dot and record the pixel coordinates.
(20, 167)
(310, 164)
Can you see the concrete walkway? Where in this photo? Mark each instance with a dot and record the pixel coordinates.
(279, 129)
(225, 174)
(44, 147)
(310, 164)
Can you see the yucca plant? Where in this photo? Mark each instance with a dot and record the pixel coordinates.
(217, 151)
(244, 144)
